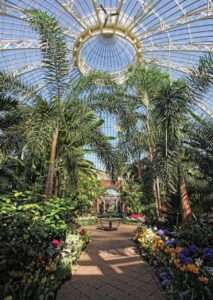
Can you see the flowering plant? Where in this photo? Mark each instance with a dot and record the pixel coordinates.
(181, 264)
(56, 243)
(136, 216)
(83, 232)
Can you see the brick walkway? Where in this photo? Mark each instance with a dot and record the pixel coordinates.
(110, 269)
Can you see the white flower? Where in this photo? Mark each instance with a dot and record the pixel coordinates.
(198, 262)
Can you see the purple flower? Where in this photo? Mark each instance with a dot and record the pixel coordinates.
(193, 249)
(166, 283)
(167, 232)
(164, 275)
(185, 252)
(185, 260)
(160, 232)
(208, 253)
(170, 242)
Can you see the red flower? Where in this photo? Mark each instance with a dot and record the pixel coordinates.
(55, 243)
(83, 232)
(136, 216)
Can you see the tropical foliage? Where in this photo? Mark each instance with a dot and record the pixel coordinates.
(183, 260)
(158, 141)
(43, 142)
(53, 133)
(34, 237)
(164, 154)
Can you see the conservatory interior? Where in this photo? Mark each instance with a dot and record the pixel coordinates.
(106, 149)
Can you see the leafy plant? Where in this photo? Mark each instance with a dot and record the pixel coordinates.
(33, 234)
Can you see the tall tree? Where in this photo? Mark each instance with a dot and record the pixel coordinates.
(55, 63)
(62, 126)
(133, 103)
(171, 114)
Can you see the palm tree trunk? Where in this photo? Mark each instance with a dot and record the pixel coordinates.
(156, 183)
(158, 193)
(51, 170)
(156, 186)
(140, 169)
(186, 209)
(156, 199)
(56, 185)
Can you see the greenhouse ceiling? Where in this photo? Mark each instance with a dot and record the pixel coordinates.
(109, 35)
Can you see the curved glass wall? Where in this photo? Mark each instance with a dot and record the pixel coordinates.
(108, 35)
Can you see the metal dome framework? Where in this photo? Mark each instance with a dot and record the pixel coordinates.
(173, 34)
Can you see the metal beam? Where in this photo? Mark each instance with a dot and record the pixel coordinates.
(18, 44)
(10, 9)
(190, 17)
(27, 68)
(148, 7)
(67, 5)
(94, 2)
(82, 39)
(2, 6)
(30, 71)
(168, 65)
(8, 13)
(180, 47)
(120, 5)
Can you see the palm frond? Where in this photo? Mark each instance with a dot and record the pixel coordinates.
(54, 50)
(202, 76)
(13, 92)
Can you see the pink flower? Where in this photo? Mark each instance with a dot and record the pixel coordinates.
(55, 243)
(136, 216)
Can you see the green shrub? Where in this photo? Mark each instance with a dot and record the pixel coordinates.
(86, 221)
(33, 235)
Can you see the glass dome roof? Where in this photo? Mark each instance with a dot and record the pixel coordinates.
(107, 53)
(108, 35)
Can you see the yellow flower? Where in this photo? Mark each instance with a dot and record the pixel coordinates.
(192, 268)
(177, 263)
(203, 279)
(178, 249)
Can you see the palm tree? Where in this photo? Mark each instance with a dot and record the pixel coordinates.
(201, 77)
(199, 147)
(62, 126)
(55, 63)
(147, 82)
(200, 80)
(7, 110)
(171, 114)
(133, 103)
(153, 115)
(9, 107)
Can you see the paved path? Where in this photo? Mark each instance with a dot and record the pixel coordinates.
(110, 269)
